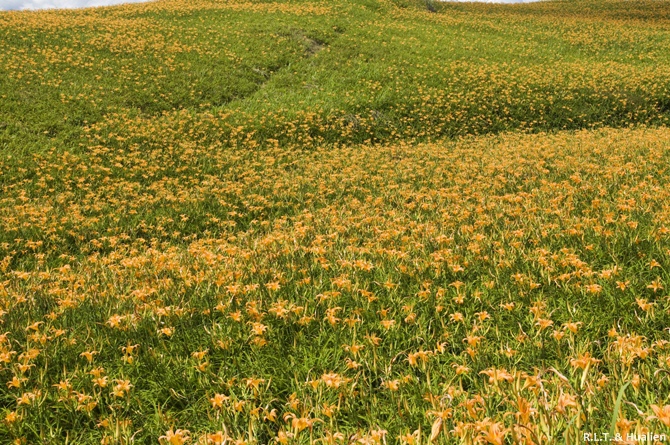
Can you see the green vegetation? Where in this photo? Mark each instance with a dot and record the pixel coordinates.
(344, 221)
(348, 71)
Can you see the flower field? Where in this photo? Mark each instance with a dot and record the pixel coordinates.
(338, 222)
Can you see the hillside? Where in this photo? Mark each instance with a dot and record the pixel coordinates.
(345, 221)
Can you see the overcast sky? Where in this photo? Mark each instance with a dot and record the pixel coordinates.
(43, 4)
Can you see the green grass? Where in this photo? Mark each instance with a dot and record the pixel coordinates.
(387, 70)
(170, 162)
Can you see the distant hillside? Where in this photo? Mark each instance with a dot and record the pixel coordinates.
(335, 71)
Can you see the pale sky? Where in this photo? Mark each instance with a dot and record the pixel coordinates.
(46, 4)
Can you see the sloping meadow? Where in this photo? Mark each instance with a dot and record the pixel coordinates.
(255, 251)
(498, 286)
(334, 72)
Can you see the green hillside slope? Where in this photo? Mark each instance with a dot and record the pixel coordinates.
(346, 221)
(348, 71)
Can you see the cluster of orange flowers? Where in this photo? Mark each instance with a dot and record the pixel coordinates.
(568, 67)
(237, 273)
(471, 281)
